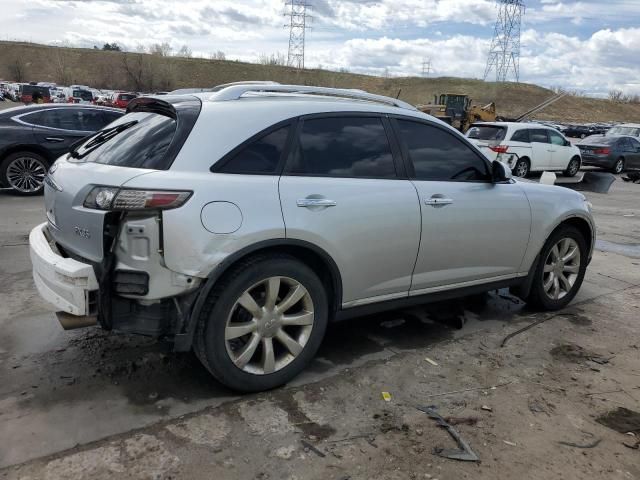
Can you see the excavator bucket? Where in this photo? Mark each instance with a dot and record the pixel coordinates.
(598, 182)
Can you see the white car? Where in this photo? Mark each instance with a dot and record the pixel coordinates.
(631, 129)
(526, 147)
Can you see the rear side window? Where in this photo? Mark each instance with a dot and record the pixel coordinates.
(137, 140)
(521, 136)
(487, 132)
(343, 147)
(438, 155)
(261, 156)
(85, 120)
(538, 135)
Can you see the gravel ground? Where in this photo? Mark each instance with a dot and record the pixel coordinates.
(88, 404)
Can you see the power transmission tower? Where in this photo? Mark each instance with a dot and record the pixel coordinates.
(504, 55)
(426, 67)
(297, 10)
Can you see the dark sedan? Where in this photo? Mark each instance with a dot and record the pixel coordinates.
(615, 153)
(582, 131)
(33, 137)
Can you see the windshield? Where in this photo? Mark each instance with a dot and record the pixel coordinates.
(487, 132)
(620, 130)
(83, 94)
(137, 140)
(127, 96)
(31, 89)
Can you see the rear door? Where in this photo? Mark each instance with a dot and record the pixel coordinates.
(540, 149)
(473, 231)
(561, 153)
(633, 157)
(344, 190)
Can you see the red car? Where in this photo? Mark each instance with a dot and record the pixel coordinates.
(27, 92)
(122, 99)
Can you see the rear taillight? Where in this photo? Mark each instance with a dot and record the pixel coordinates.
(499, 148)
(602, 151)
(130, 199)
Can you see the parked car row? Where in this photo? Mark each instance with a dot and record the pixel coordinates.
(536, 147)
(46, 92)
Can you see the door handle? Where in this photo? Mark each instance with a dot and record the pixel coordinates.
(315, 202)
(54, 139)
(437, 201)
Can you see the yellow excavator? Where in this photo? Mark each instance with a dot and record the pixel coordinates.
(458, 111)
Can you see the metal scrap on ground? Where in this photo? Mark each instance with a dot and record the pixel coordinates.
(464, 453)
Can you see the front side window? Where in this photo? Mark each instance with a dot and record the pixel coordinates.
(343, 147)
(439, 155)
(538, 135)
(261, 156)
(556, 139)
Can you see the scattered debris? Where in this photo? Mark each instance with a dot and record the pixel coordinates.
(633, 446)
(632, 177)
(487, 408)
(602, 393)
(468, 390)
(540, 405)
(621, 420)
(312, 448)
(427, 359)
(511, 444)
(471, 421)
(531, 325)
(392, 323)
(464, 452)
(594, 444)
(386, 396)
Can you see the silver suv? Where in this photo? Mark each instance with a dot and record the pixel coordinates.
(241, 221)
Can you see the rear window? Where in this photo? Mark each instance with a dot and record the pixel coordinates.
(31, 89)
(487, 132)
(633, 131)
(127, 96)
(83, 94)
(137, 140)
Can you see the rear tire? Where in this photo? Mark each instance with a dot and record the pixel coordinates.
(618, 167)
(573, 168)
(559, 273)
(24, 173)
(251, 339)
(521, 168)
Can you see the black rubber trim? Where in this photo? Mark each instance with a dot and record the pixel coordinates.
(183, 341)
(405, 302)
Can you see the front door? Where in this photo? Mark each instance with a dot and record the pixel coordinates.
(541, 149)
(473, 231)
(560, 152)
(341, 192)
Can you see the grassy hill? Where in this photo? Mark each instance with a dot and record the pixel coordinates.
(135, 71)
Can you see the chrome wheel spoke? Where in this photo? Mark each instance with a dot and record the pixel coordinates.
(271, 294)
(294, 347)
(268, 357)
(26, 174)
(293, 297)
(564, 283)
(556, 288)
(549, 267)
(236, 330)
(555, 254)
(571, 254)
(249, 304)
(549, 282)
(248, 351)
(571, 268)
(305, 318)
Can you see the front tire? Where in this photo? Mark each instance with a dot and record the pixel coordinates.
(24, 173)
(560, 270)
(263, 323)
(573, 168)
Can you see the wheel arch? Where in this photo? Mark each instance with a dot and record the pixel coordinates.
(43, 152)
(313, 256)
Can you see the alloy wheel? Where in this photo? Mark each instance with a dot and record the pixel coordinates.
(26, 174)
(522, 169)
(561, 268)
(269, 325)
(574, 166)
(619, 166)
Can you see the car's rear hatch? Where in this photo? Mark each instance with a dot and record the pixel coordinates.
(146, 139)
(486, 136)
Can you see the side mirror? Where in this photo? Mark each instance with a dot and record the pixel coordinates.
(500, 173)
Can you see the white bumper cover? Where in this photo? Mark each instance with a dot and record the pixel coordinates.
(63, 282)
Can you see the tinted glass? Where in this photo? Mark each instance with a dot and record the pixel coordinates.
(486, 132)
(343, 147)
(538, 135)
(126, 97)
(439, 155)
(261, 156)
(85, 120)
(110, 116)
(624, 131)
(85, 95)
(520, 136)
(635, 145)
(556, 139)
(624, 144)
(136, 140)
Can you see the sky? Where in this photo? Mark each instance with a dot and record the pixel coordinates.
(588, 46)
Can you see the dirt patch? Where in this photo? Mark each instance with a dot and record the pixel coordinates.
(621, 420)
(571, 352)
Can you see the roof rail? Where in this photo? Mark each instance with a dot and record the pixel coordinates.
(234, 92)
(217, 88)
